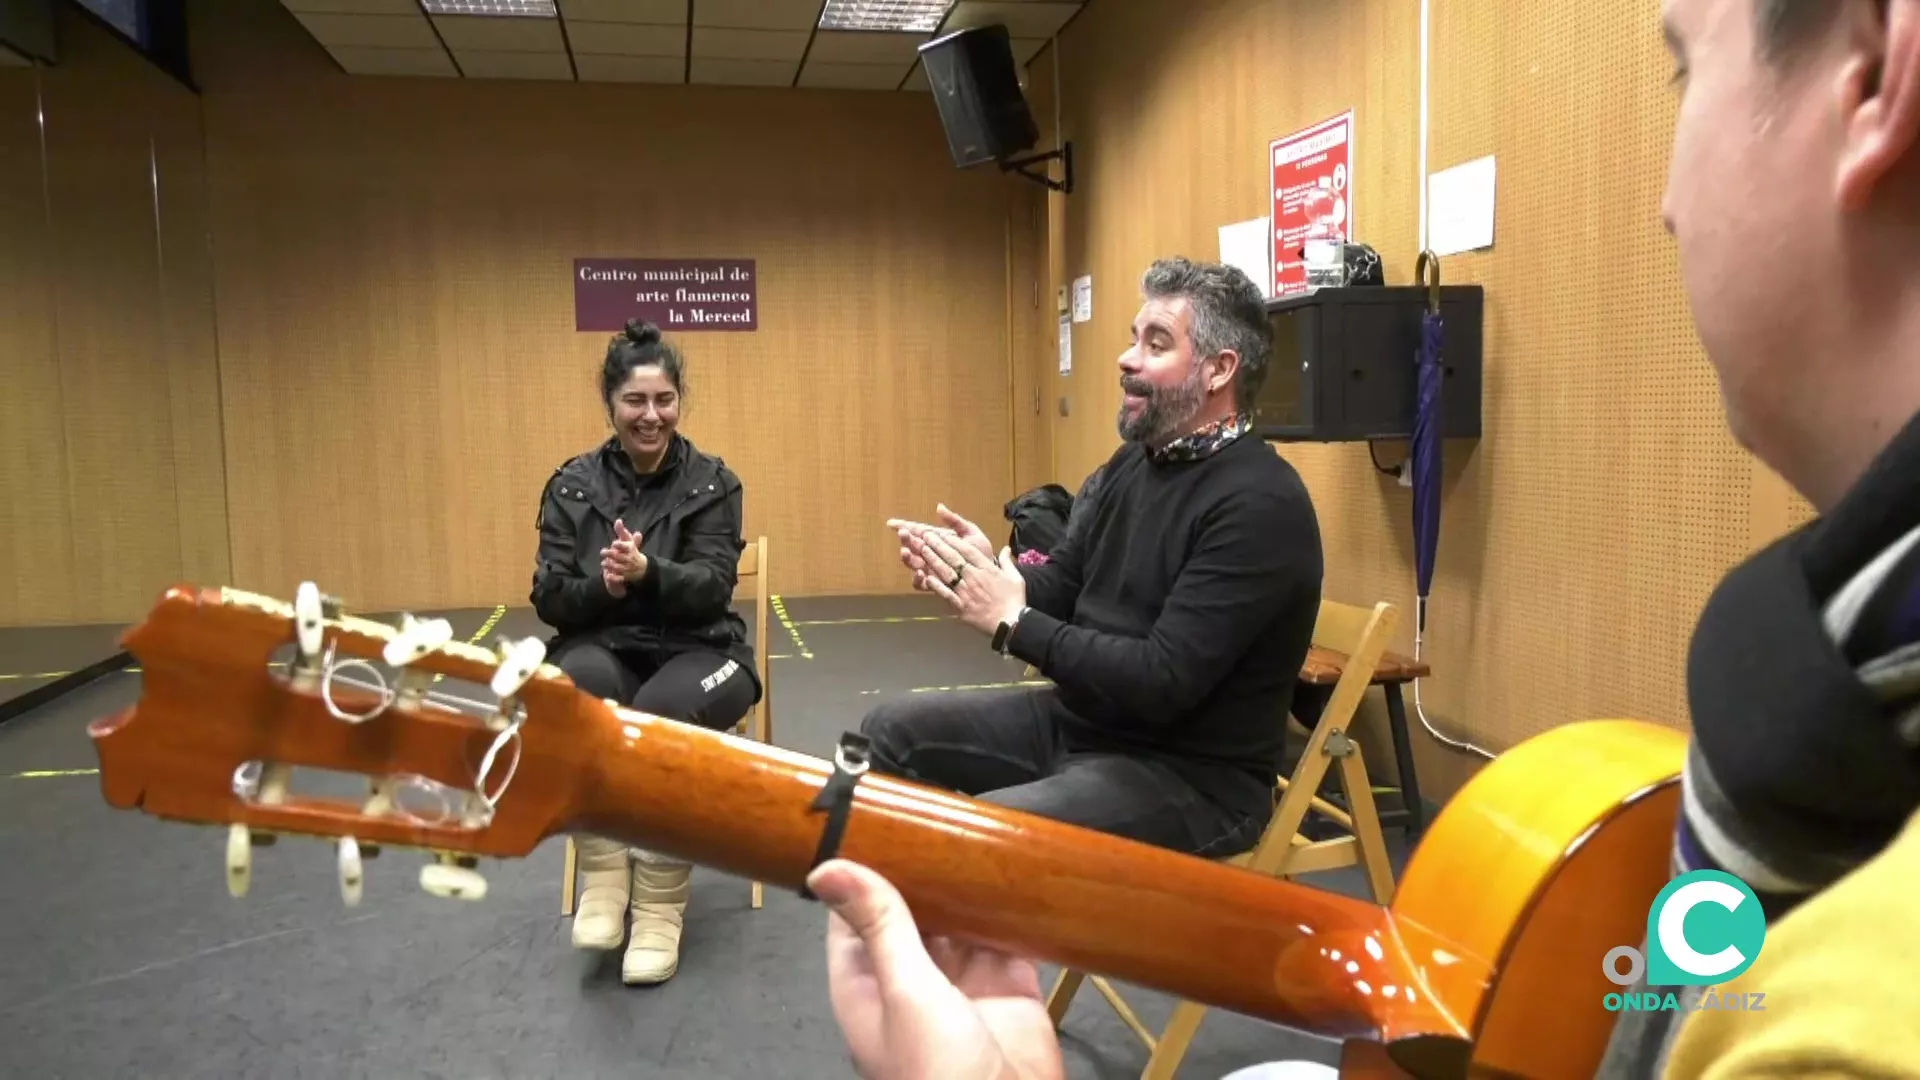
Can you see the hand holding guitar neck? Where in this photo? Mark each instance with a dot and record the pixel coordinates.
(911, 1007)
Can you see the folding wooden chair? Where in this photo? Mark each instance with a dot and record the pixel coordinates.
(1362, 634)
(757, 724)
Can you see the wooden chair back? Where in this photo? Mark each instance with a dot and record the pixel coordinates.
(758, 723)
(1360, 634)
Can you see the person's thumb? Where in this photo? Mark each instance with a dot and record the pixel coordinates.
(878, 915)
(1007, 561)
(953, 520)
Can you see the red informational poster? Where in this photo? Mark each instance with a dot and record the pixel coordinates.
(1312, 196)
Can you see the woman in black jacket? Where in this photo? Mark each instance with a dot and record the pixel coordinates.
(640, 543)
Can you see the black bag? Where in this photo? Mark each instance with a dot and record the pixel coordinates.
(1039, 518)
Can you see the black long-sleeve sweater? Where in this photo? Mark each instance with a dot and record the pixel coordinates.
(1176, 621)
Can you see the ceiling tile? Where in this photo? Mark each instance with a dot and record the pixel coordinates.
(865, 47)
(757, 14)
(482, 33)
(513, 64)
(383, 31)
(723, 44)
(647, 69)
(851, 76)
(626, 39)
(354, 7)
(1022, 18)
(9, 58)
(918, 81)
(361, 60)
(724, 71)
(656, 12)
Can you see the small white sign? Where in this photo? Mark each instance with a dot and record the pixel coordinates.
(1244, 245)
(1083, 298)
(1460, 208)
(1066, 344)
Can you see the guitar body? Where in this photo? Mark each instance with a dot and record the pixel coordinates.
(1488, 962)
(1551, 856)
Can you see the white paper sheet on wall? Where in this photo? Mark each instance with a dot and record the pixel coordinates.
(1083, 298)
(1066, 344)
(1244, 244)
(1460, 208)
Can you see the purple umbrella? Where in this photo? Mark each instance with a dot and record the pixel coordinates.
(1426, 439)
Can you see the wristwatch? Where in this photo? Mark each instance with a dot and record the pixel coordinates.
(1003, 634)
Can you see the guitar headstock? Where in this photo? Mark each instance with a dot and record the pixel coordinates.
(240, 690)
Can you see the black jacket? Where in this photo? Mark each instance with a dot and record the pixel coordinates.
(689, 518)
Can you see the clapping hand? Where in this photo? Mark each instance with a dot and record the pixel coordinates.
(622, 562)
(952, 526)
(984, 590)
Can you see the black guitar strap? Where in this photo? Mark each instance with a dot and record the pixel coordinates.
(850, 762)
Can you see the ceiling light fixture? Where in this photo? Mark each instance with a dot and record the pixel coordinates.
(538, 9)
(917, 16)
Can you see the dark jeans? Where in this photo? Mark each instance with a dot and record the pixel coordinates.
(1007, 747)
(703, 688)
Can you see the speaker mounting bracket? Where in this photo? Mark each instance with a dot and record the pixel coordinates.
(1064, 156)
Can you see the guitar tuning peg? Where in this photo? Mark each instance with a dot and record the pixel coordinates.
(448, 880)
(518, 661)
(309, 616)
(351, 876)
(239, 859)
(417, 638)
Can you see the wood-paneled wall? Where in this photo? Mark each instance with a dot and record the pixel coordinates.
(1584, 531)
(111, 471)
(400, 368)
(393, 370)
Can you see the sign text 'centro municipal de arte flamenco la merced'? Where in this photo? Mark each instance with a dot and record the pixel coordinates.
(673, 294)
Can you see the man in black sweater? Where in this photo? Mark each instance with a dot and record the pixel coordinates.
(1172, 623)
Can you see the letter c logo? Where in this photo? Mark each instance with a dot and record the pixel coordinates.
(1672, 922)
(1704, 928)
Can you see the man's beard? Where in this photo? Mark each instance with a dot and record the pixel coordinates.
(1168, 409)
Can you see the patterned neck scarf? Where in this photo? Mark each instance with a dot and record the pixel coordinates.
(1205, 442)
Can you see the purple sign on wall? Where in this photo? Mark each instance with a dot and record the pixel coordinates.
(673, 294)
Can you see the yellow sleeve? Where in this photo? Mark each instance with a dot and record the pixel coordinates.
(1841, 979)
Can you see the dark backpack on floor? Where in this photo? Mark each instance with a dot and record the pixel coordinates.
(1039, 518)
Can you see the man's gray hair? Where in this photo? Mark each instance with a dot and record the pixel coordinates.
(1229, 312)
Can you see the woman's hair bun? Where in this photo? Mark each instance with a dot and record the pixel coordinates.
(642, 333)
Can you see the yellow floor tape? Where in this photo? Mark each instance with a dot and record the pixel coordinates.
(780, 612)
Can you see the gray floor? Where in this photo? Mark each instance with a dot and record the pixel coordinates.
(32, 657)
(121, 953)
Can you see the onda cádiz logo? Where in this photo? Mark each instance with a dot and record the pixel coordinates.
(1704, 928)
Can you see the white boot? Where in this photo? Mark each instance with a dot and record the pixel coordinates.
(659, 908)
(600, 919)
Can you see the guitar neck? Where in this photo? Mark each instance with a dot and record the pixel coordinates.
(1207, 932)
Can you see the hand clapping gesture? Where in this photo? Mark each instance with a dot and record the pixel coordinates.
(953, 526)
(956, 562)
(622, 562)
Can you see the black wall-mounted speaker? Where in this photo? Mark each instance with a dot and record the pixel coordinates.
(976, 87)
(27, 26)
